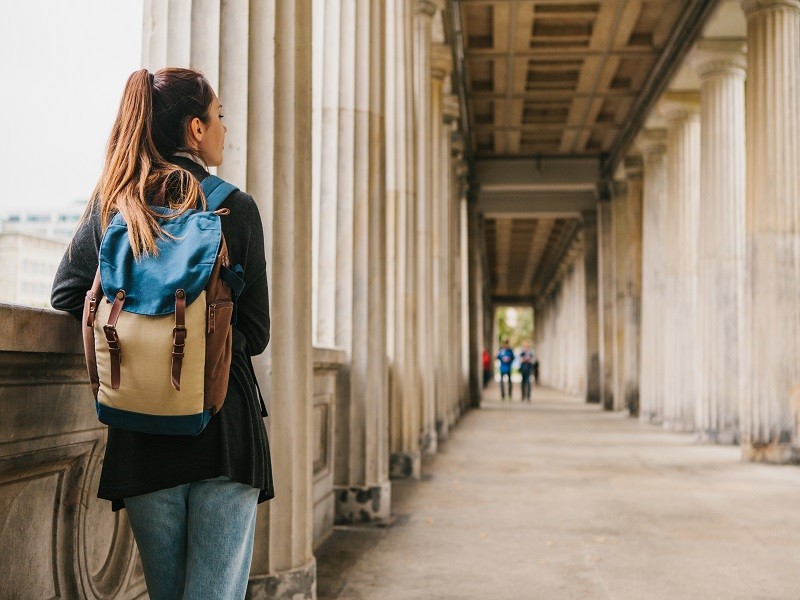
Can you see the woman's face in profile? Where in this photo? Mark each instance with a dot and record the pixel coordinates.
(212, 141)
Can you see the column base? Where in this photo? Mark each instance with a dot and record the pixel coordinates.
(678, 426)
(403, 465)
(428, 442)
(722, 438)
(442, 430)
(775, 453)
(651, 418)
(632, 402)
(296, 584)
(363, 504)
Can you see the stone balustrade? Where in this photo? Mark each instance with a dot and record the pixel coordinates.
(57, 539)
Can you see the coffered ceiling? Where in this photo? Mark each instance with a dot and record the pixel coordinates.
(558, 77)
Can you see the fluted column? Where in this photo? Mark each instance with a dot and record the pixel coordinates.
(401, 243)
(361, 478)
(633, 282)
(590, 260)
(681, 339)
(619, 202)
(772, 233)
(607, 300)
(653, 145)
(279, 142)
(425, 9)
(258, 57)
(325, 166)
(441, 64)
(478, 331)
(721, 67)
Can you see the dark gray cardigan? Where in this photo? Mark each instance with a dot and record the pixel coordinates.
(234, 443)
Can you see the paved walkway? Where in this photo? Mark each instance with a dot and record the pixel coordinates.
(557, 500)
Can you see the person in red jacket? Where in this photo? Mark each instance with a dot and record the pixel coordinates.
(487, 367)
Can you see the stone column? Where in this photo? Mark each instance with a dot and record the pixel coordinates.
(441, 64)
(683, 191)
(591, 268)
(633, 282)
(401, 243)
(721, 67)
(619, 201)
(772, 233)
(363, 491)
(654, 258)
(477, 307)
(325, 123)
(607, 293)
(425, 9)
(466, 327)
(258, 57)
(279, 142)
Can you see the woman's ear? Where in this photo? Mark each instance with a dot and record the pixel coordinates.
(195, 130)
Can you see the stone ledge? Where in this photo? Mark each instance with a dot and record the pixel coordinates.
(25, 329)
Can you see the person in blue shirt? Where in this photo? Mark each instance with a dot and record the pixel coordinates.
(506, 357)
(526, 362)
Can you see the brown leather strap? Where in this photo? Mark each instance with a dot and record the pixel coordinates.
(112, 338)
(93, 296)
(178, 338)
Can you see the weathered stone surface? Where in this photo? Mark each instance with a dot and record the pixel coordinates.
(57, 538)
(296, 584)
(363, 504)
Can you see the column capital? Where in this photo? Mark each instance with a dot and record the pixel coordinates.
(719, 57)
(751, 7)
(441, 61)
(633, 167)
(679, 106)
(652, 141)
(425, 8)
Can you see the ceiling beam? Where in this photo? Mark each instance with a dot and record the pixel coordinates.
(685, 31)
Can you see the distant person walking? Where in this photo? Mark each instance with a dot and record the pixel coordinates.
(526, 358)
(535, 368)
(487, 367)
(506, 357)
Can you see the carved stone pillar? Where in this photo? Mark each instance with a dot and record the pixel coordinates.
(633, 282)
(425, 9)
(607, 294)
(279, 142)
(619, 202)
(721, 67)
(683, 190)
(401, 243)
(772, 233)
(591, 268)
(653, 145)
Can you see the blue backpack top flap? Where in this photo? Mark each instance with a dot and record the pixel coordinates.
(186, 254)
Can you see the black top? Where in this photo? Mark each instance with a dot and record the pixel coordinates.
(234, 443)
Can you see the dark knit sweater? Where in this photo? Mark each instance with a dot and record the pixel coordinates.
(234, 443)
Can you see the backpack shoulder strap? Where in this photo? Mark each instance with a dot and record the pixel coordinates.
(216, 191)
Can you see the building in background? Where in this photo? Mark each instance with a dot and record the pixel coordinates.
(31, 246)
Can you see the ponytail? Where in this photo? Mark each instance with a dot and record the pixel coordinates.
(136, 171)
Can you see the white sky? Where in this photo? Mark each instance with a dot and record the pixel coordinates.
(63, 65)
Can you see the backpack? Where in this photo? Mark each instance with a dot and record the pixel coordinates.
(157, 329)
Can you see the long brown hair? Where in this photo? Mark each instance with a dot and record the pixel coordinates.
(150, 127)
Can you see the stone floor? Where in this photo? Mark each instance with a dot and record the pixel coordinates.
(557, 500)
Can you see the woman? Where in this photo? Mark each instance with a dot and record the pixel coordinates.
(191, 500)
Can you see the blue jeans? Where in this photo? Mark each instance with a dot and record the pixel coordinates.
(196, 539)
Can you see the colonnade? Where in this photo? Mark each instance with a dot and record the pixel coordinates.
(365, 231)
(699, 258)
